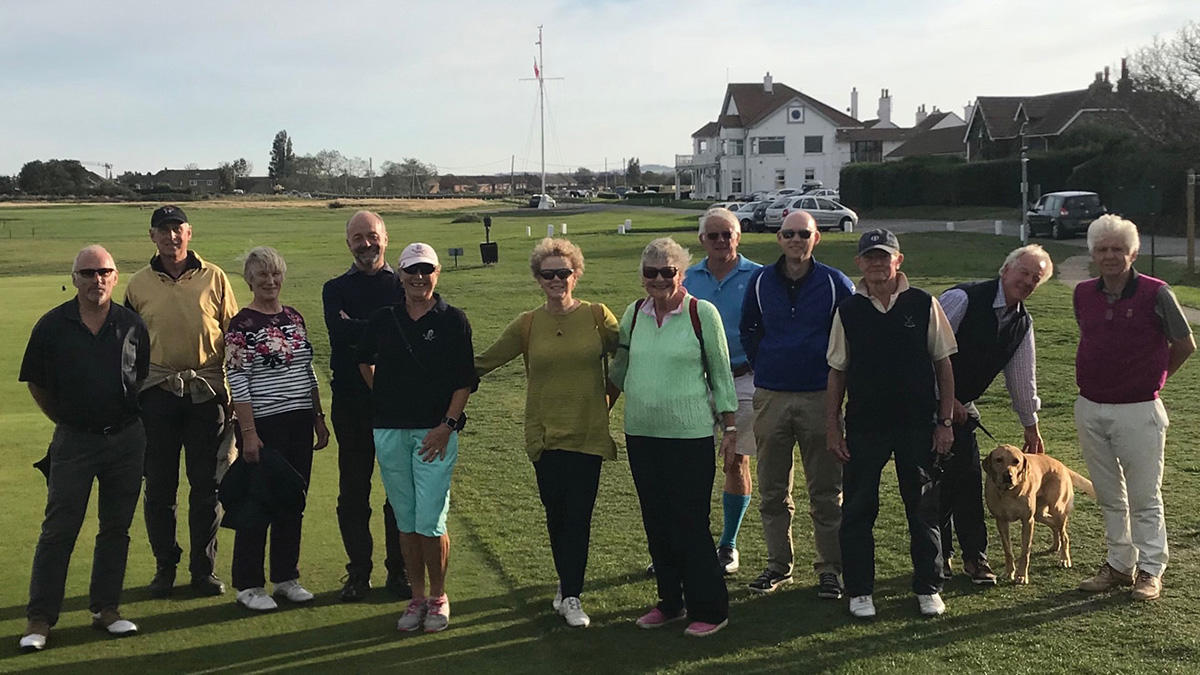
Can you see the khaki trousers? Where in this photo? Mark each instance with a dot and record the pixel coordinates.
(784, 419)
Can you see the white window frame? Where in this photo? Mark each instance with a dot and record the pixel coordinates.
(780, 178)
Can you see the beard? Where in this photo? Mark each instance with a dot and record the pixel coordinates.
(367, 256)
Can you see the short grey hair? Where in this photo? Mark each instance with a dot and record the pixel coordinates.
(666, 249)
(720, 213)
(1109, 226)
(1037, 252)
(263, 257)
(551, 247)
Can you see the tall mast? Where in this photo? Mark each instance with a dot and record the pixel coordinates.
(542, 105)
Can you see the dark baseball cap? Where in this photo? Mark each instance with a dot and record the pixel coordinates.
(880, 239)
(167, 215)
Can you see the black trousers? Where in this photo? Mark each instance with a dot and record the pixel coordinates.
(351, 417)
(76, 459)
(567, 482)
(173, 422)
(919, 489)
(962, 499)
(674, 481)
(291, 435)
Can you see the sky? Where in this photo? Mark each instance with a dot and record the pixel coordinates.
(146, 86)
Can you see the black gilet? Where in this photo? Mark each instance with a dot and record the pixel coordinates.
(983, 348)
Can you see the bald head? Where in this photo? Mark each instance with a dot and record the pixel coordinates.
(799, 220)
(94, 276)
(366, 237)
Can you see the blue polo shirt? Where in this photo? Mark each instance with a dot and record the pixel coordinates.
(727, 294)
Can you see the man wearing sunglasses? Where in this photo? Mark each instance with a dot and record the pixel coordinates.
(785, 332)
(721, 278)
(84, 364)
(349, 300)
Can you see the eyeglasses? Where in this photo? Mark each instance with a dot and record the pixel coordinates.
(713, 236)
(424, 269)
(788, 234)
(563, 273)
(89, 272)
(667, 272)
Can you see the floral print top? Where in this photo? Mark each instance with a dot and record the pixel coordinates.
(268, 360)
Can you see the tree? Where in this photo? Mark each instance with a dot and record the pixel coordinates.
(584, 177)
(242, 168)
(57, 177)
(633, 172)
(282, 156)
(1163, 87)
(191, 166)
(226, 178)
(412, 176)
(8, 185)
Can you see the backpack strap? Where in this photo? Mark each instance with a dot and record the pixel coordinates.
(526, 329)
(694, 311)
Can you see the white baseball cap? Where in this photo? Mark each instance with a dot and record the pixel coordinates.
(418, 253)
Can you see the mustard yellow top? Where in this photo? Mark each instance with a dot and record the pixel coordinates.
(565, 407)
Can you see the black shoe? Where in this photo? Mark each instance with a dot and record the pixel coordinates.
(356, 588)
(397, 584)
(769, 580)
(162, 583)
(947, 571)
(980, 572)
(829, 586)
(207, 585)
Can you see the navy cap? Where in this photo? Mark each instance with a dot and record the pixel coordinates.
(880, 239)
(167, 215)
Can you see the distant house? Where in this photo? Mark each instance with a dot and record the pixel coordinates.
(767, 136)
(936, 134)
(182, 180)
(999, 124)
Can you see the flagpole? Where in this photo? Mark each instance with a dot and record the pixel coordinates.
(540, 70)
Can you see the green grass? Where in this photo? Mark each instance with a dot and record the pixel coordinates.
(941, 213)
(501, 576)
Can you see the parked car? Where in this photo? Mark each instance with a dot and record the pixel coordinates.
(828, 193)
(810, 185)
(745, 215)
(829, 214)
(1063, 214)
(732, 206)
(542, 202)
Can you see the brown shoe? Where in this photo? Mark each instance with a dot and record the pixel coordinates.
(1106, 579)
(1147, 586)
(110, 621)
(980, 572)
(35, 636)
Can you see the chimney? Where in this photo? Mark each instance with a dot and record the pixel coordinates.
(854, 102)
(968, 111)
(768, 84)
(921, 114)
(885, 109)
(1106, 80)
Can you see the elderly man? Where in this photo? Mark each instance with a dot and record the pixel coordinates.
(84, 363)
(186, 303)
(889, 355)
(785, 332)
(349, 300)
(721, 278)
(1132, 337)
(994, 333)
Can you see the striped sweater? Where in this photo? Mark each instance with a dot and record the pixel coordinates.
(268, 360)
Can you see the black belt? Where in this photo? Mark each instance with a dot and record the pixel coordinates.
(743, 369)
(108, 430)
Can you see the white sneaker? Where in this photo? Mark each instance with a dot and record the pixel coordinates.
(862, 606)
(572, 611)
(931, 605)
(292, 590)
(556, 603)
(256, 599)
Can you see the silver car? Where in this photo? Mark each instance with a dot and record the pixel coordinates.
(829, 214)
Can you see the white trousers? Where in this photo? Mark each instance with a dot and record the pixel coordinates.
(1122, 444)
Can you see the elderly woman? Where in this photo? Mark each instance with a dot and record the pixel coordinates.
(1132, 337)
(672, 355)
(416, 357)
(565, 343)
(268, 359)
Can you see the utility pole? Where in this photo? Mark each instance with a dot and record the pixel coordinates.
(1190, 191)
(1024, 189)
(512, 174)
(371, 173)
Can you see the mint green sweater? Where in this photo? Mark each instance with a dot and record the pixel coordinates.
(663, 378)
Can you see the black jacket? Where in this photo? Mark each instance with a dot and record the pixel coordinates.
(255, 495)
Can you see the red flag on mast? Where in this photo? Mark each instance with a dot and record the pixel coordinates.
(536, 72)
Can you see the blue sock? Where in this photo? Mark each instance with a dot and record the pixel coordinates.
(735, 509)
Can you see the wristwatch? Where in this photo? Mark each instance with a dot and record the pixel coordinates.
(454, 424)
(946, 422)
(731, 429)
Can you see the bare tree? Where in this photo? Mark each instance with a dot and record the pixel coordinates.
(1164, 87)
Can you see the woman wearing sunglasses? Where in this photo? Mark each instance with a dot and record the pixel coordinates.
(565, 344)
(672, 352)
(416, 357)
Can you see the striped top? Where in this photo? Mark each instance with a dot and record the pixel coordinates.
(268, 360)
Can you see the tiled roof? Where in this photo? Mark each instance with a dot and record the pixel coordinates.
(885, 134)
(707, 131)
(754, 104)
(1047, 115)
(947, 141)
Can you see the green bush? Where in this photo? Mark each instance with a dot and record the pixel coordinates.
(467, 218)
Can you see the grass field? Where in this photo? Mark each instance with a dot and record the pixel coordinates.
(501, 576)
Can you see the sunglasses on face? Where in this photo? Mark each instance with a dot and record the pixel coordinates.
(563, 273)
(713, 236)
(788, 234)
(424, 269)
(667, 272)
(89, 272)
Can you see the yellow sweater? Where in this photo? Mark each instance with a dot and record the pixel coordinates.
(186, 317)
(565, 408)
